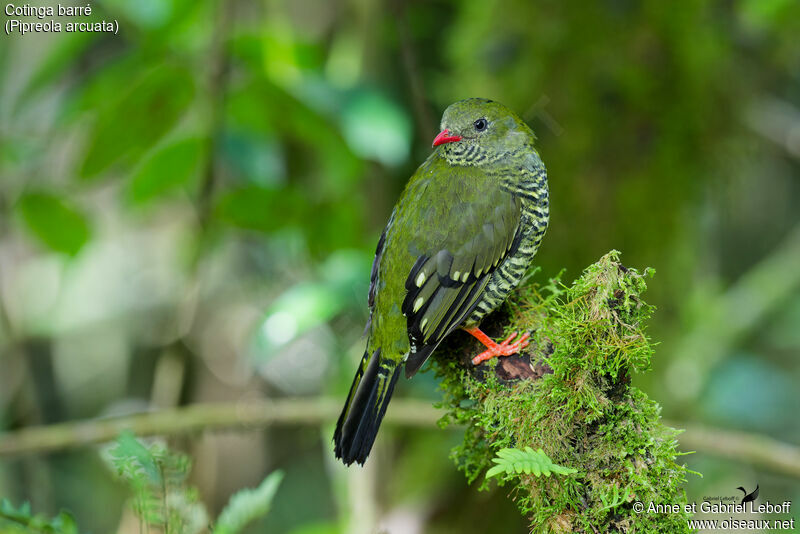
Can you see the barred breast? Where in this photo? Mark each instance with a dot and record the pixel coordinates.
(535, 217)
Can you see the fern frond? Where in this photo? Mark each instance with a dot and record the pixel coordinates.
(528, 461)
(247, 505)
(157, 478)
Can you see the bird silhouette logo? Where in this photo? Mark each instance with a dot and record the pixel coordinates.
(748, 497)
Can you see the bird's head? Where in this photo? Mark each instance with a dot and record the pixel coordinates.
(477, 131)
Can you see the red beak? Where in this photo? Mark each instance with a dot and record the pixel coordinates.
(445, 137)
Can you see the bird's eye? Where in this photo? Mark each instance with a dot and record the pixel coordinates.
(480, 125)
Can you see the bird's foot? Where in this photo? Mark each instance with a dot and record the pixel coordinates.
(504, 348)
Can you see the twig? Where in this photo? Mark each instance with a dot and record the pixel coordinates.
(200, 417)
(757, 449)
(730, 317)
(425, 122)
(217, 92)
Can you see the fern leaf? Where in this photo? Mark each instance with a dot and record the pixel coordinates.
(157, 478)
(247, 505)
(129, 455)
(528, 461)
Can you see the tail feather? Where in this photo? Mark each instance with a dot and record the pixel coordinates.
(364, 409)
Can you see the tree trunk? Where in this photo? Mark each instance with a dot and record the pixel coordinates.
(569, 393)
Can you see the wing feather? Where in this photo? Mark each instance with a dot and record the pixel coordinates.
(453, 282)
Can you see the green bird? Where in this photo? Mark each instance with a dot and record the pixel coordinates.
(458, 242)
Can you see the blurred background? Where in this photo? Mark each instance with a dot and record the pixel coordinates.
(188, 212)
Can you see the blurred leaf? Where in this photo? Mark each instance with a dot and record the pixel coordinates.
(172, 166)
(101, 86)
(336, 226)
(60, 59)
(279, 50)
(377, 128)
(308, 304)
(318, 528)
(136, 121)
(257, 208)
(764, 13)
(58, 225)
(248, 505)
(344, 59)
(19, 151)
(783, 332)
(296, 311)
(258, 158)
(748, 391)
(325, 226)
(13, 520)
(261, 106)
(143, 13)
(347, 271)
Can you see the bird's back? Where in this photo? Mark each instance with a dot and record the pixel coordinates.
(442, 208)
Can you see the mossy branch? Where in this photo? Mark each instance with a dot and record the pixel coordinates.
(570, 396)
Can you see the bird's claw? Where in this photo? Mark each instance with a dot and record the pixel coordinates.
(505, 348)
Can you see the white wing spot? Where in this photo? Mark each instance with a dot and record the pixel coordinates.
(464, 277)
(456, 274)
(418, 303)
(420, 279)
(422, 325)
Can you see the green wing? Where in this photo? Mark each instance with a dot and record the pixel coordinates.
(465, 243)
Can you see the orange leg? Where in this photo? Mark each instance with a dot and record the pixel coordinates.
(505, 348)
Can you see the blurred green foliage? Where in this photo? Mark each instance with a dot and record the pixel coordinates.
(220, 171)
(21, 520)
(157, 479)
(163, 500)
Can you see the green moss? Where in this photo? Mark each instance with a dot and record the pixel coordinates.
(570, 395)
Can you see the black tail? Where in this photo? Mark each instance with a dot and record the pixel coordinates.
(363, 411)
